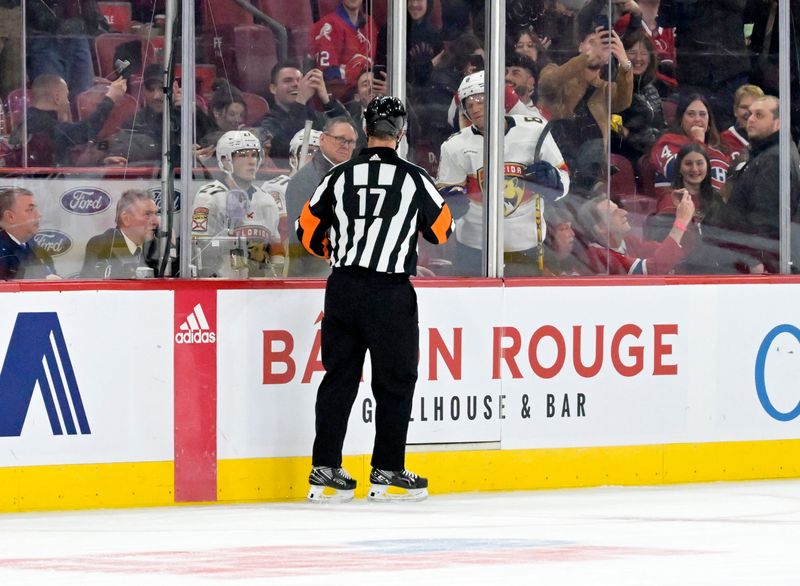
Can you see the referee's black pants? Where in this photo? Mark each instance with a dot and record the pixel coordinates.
(365, 310)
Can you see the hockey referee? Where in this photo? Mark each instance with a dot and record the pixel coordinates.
(364, 217)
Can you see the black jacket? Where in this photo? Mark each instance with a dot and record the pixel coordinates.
(750, 221)
(28, 261)
(108, 257)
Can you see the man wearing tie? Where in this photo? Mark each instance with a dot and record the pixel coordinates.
(117, 252)
(20, 256)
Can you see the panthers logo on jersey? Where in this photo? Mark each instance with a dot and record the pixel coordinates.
(516, 190)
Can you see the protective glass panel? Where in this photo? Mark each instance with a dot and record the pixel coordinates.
(282, 86)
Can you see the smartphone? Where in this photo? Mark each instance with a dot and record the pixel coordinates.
(120, 65)
(601, 21)
(379, 71)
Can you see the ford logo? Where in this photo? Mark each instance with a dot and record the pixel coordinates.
(155, 193)
(54, 242)
(85, 201)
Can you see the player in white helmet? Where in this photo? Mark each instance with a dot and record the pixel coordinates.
(235, 222)
(534, 169)
(474, 82)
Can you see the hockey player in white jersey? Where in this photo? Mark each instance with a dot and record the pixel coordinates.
(534, 170)
(276, 186)
(234, 222)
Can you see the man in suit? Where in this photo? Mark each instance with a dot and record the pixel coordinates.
(118, 252)
(20, 256)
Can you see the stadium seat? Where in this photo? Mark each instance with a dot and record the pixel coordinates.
(436, 13)
(123, 110)
(218, 13)
(204, 73)
(255, 55)
(297, 21)
(623, 181)
(257, 107)
(117, 14)
(647, 177)
(670, 109)
(378, 10)
(16, 106)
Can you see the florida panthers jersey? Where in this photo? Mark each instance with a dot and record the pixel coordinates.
(224, 227)
(276, 187)
(461, 164)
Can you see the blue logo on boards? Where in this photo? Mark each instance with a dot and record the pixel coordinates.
(85, 201)
(53, 241)
(37, 354)
(761, 385)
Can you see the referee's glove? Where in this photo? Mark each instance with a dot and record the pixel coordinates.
(546, 180)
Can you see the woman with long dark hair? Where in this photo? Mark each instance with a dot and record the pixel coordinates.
(694, 123)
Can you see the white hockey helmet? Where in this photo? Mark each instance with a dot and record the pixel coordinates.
(296, 144)
(234, 141)
(471, 85)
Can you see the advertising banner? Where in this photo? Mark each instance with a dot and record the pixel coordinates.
(87, 377)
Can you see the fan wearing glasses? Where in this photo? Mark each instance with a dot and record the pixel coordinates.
(336, 145)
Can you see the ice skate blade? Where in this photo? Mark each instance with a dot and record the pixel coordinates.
(324, 494)
(383, 493)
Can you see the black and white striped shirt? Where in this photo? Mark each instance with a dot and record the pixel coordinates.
(367, 213)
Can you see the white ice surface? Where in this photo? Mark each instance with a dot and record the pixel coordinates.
(721, 533)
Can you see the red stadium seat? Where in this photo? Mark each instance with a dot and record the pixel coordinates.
(117, 14)
(16, 106)
(257, 107)
(647, 177)
(204, 74)
(297, 21)
(123, 110)
(326, 6)
(378, 10)
(218, 13)
(670, 109)
(623, 181)
(436, 13)
(255, 55)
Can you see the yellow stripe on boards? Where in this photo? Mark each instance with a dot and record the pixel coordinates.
(278, 479)
(86, 486)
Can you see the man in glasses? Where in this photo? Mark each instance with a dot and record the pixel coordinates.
(336, 145)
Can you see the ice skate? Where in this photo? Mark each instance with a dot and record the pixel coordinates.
(333, 485)
(399, 485)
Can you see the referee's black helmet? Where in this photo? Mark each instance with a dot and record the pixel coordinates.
(385, 116)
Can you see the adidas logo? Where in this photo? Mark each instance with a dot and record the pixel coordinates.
(195, 330)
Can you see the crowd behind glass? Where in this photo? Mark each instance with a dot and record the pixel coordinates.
(641, 137)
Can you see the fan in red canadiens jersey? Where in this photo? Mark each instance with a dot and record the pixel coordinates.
(534, 170)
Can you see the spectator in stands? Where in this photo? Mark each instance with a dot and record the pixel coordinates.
(614, 250)
(713, 59)
(49, 128)
(734, 139)
(691, 176)
(694, 122)
(20, 256)
(424, 44)
(643, 121)
(139, 139)
(521, 75)
(336, 144)
(10, 46)
(554, 25)
(559, 244)
(58, 40)
(119, 251)
(343, 43)
(577, 97)
(290, 106)
(526, 42)
(752, 214)
(663, 39)
(369, 86)
(227, 111)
